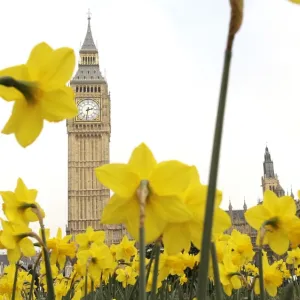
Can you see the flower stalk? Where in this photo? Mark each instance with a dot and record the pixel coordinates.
(155, 271)
(142, 194)
(13, 297)
(50, 287)
(260, 264)
(33, 276)
(216, 272)
(235, 23)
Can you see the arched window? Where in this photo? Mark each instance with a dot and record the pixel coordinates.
(84, 89)
(76, 89)
(92, 89)
(88, 89)
(98, 89)
(80, 89)
(94, 59)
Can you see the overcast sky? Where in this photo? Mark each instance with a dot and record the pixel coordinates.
(163, 60)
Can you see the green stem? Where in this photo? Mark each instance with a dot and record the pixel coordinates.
(26, 88)
(50, 287)
(86, 285)
(210, 200)
(217, 281)
(150, 264)
(33, 276)
(15, 282)
(142, 286)
(155, 271)
(261, 276)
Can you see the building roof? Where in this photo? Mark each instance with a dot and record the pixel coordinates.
(89, 44)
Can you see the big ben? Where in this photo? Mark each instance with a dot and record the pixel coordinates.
(88, 145)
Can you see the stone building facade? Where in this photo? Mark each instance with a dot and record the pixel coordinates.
(88, 145)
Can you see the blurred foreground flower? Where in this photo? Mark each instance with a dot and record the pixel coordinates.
(166, 181)
(19, 206)
(39, 91)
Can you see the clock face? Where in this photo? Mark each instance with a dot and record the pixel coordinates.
(88, 110)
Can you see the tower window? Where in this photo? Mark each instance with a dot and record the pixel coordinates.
(80, 89)
(76, 89)
(98, 89)
(83, 77)
(88, 72)
(94, 59)
(92, 89)
(88, 89)
(84, 89)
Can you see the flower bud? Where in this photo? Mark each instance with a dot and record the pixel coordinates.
(236, 16)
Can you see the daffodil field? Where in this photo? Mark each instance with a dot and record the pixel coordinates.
(178, 245)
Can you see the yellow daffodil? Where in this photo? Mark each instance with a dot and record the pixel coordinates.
(293, 257)
(126, 250)
(295, 1)
(272, 278)
(15, 239)
(241, 248)
(61, 247)
(97, 259)
(275, 215)
(44, 96)
(229, 275)
(84, 240)
(183, 279)
(178, 236)
(166, 182)
(126, 276)
(19, 205)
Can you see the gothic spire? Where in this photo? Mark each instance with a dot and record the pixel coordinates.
(88, 44)
(268, 165)
(245, 205)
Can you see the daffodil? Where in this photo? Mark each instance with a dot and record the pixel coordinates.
(15, 239)
(61, 247)
(241, 248)
(179, 235)
(295, 1)
(166, 182)
(126, 276)
(229, 275)
(41, 92)
(84, 240)
(275, 215)
(293, 257)
(97, 259)
(272, 278)
(126, 250)
(19, 205)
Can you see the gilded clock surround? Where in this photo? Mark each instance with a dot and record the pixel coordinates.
(88, 148)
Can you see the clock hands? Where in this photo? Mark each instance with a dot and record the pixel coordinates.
(87, 111)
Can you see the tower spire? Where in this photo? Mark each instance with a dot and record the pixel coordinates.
(89, 44)
(268, 165)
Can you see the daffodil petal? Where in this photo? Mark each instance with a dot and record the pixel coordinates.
(114, 212)
(176, 237)
(256, 216)
(170, 208)
(278, 241)
(222, 221)
(27, 247)
(170, 178)
(236, 282)
(119, 178)
(142, 161)
(57, 105)
(25, 122)
(13, 255)
(59, 68)
(38, 59)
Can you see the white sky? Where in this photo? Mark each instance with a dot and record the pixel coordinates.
(164, 60)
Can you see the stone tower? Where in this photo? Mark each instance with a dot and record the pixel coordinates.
(270, 180)
(88, 145)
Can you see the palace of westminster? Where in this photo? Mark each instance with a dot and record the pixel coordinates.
(88, 147)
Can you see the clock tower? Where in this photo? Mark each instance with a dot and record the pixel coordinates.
(88, 145)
